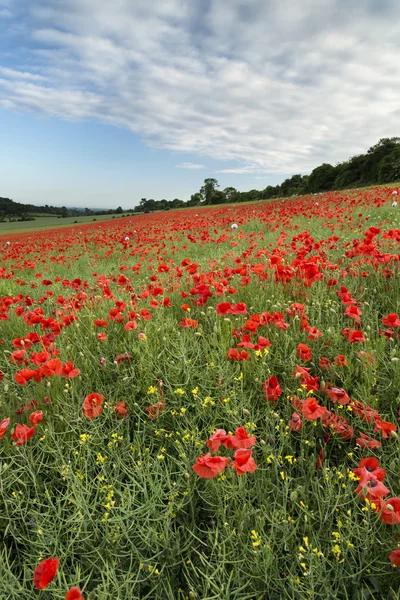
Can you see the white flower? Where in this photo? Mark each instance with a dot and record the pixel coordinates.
(394, 204)
(234, 226)
(8, 243)
(127, 238)
(394, 193)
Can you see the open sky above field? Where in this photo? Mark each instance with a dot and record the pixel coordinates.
(104, 102)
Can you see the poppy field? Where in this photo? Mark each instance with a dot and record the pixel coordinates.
(204, 404)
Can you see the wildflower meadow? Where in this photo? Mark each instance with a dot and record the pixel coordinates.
(203, 404)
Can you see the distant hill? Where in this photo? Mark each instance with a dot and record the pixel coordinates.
(16, 211)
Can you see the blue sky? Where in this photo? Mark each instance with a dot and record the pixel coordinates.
(104, 102)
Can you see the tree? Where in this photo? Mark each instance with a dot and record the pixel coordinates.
(218, 197)
(194, 199)
(119, 210)
(230, 193)
(322, 178)
(208, 189)
(389, 167)
(375, 154)
(177, 203)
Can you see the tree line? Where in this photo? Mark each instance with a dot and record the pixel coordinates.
(380, 164)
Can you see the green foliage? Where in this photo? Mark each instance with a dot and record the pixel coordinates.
(208, 190)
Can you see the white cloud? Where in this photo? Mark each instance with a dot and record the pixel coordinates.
(189, 165)
(277, 87)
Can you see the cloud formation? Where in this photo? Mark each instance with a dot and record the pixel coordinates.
(189, 165)
(277, 87)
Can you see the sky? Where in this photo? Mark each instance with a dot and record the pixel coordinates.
(103, 102)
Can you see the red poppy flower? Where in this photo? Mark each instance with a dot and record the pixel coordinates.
(366, 413)
(120, 409)
(208, 466)
(130, 325)
(311, 409)
(239, 309)
(234, 354)
(354, 313)
(313, 333)
(21, 343)
(262, 343)
(223, 308)
(216, 439)
(369, 466)
(3, 427)
(295, 422)
(241, 439)
(36, 417)
(68, 371)
(390, 511)
(272, 389)
(51, 367)
(372, 488)
(324, 363)
(101, 323)
(45, 573)
(304, 352)
(22, 434)
(24, 375)
(338, 395)
(38, 358)
(355, 336)
(101, 337)
(155, 410)
(392, 320)
(385, 427)
(394, 558)
(244, 462)
(122, 358)
(186, 323)
(18, 357)
(364, 441)
(92, 405)
(74, 593)
(340, 361)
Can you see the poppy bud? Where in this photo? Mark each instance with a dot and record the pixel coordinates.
(245, 411)
(187, 476)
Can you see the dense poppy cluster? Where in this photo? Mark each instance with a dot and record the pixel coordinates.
(207, 466)
(287, 316)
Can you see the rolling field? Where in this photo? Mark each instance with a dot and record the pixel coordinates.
(203, 404)
(51, 222)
